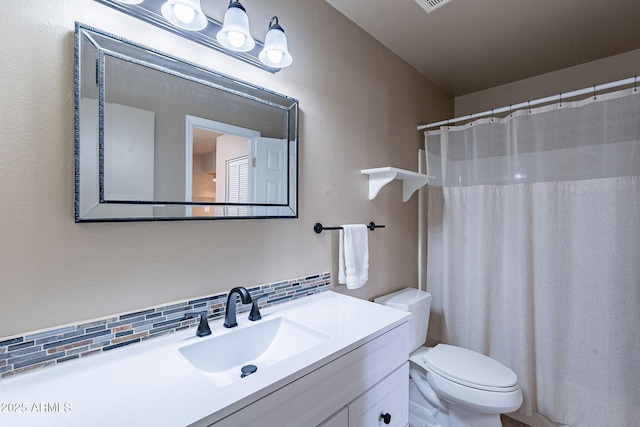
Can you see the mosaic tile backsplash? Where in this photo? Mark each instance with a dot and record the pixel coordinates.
(41, 349)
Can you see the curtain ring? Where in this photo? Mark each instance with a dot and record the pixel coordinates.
(560, 104)
(635, 83)
(492, 116)
(529, 106)
(594, 92)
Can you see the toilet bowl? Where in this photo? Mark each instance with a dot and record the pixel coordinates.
(451, 386)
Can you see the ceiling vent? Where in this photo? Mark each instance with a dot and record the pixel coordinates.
(431, 5)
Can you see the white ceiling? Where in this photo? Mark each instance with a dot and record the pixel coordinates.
(470, 45)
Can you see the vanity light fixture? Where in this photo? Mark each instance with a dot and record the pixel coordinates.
(186, 19)
(185, 14)
(235, 34)
(275, 52)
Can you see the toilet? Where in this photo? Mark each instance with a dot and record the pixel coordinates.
(451, 386)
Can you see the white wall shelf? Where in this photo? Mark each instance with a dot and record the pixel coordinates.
(379, 177)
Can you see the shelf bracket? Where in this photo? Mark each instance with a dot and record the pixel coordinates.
(379, 177)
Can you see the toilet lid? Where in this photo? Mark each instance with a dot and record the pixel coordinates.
(469, 368)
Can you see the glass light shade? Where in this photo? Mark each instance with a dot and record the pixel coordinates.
(185, 14)
(275, 52)
(235, 34)
(130, 1)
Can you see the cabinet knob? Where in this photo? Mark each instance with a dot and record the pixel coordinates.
(386, 418)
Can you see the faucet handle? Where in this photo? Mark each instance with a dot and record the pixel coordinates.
(255, 312)
(203, 327)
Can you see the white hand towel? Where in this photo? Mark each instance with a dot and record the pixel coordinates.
(353, 257)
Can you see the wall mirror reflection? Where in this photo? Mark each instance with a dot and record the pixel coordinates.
(158, 138)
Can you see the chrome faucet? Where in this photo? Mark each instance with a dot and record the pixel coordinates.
(230, 310)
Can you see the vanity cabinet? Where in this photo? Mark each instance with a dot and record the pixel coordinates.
(353, 389)
(339, 419)
(387, 403)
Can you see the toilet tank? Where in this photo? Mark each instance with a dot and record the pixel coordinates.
(418, 303)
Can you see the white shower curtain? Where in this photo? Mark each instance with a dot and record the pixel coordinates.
(534, 252)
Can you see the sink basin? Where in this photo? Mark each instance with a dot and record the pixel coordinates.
(221, 358)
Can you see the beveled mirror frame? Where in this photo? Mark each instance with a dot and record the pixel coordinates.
(91, 205)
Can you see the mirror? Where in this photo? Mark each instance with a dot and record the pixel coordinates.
(158, 138)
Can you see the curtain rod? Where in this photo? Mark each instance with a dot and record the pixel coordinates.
(548, 99)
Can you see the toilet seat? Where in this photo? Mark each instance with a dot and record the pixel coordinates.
(469, 379)
(468, 368)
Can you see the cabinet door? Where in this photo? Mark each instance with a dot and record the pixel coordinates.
(339, 419)
(386, 404)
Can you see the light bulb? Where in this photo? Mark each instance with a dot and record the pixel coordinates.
(184, 13)
(275, 52)
(236, 39)
(275, 56)
(234, 34)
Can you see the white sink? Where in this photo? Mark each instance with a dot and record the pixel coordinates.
(263, 344)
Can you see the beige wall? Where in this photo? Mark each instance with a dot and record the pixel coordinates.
(602, 71)
(359, 103)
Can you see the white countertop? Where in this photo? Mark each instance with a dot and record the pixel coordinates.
(151, 383)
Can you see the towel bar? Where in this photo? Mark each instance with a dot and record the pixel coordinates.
(318, 228)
